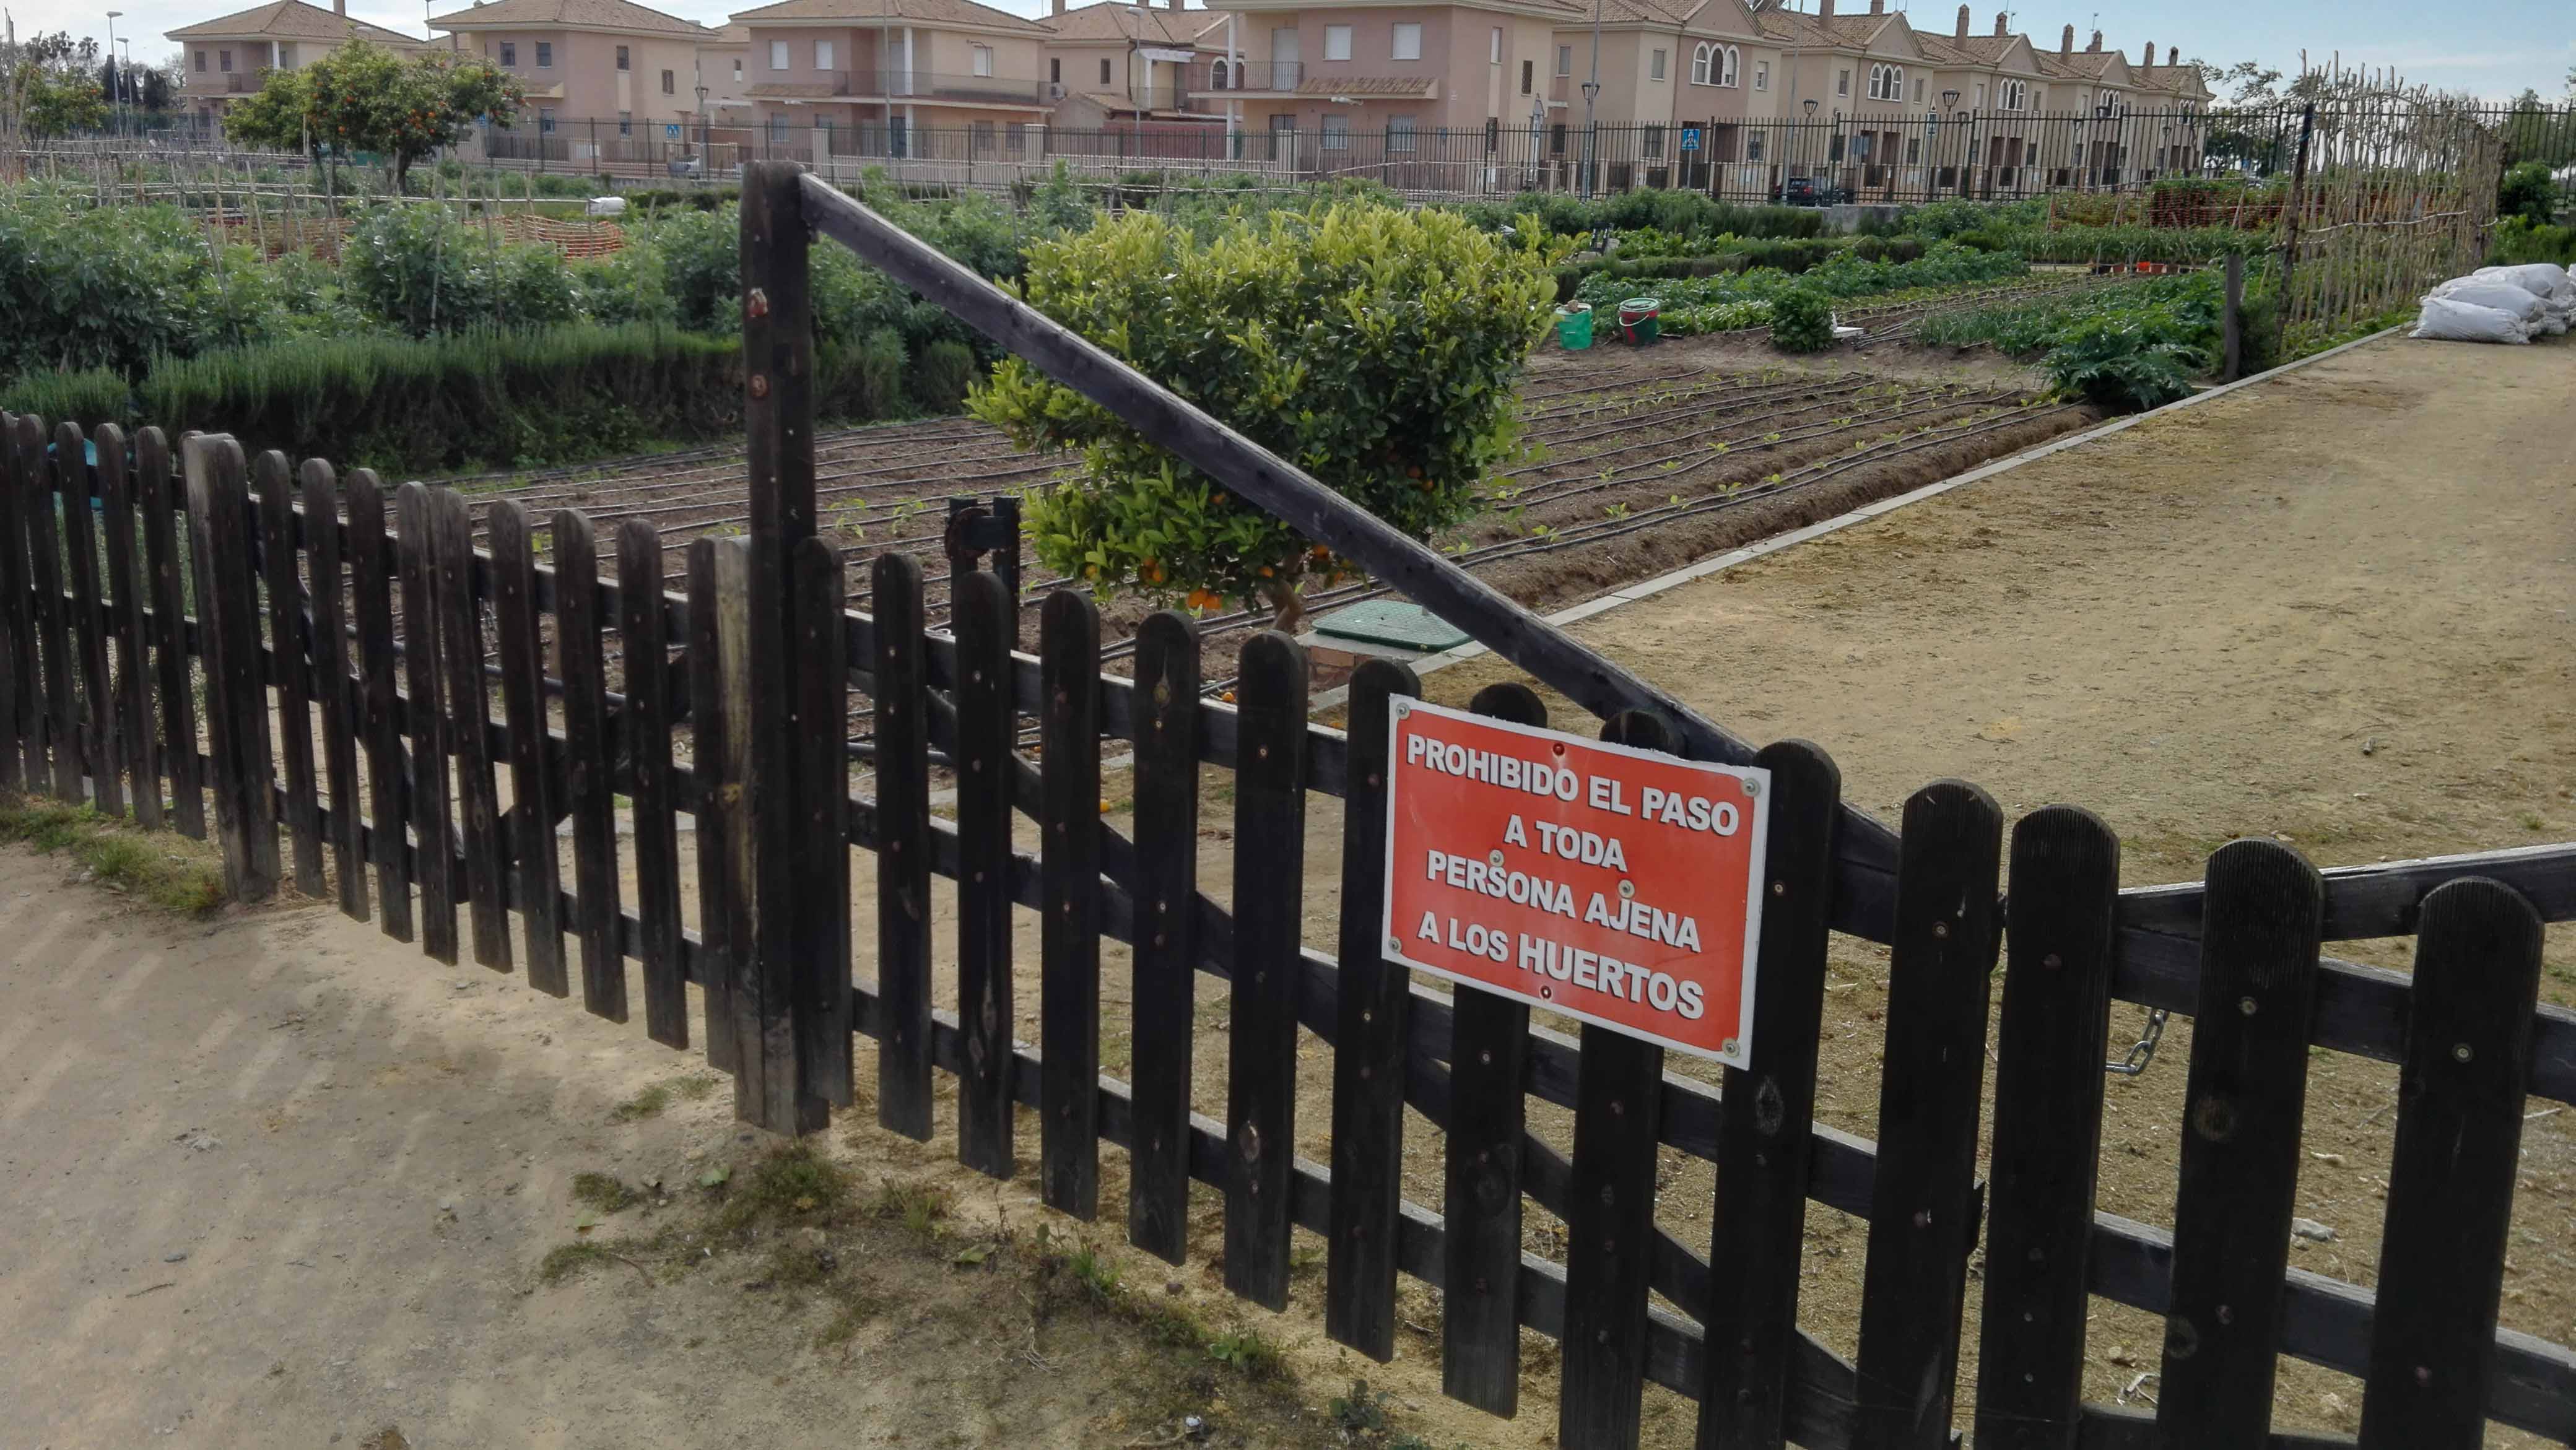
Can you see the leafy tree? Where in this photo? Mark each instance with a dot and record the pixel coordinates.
(365, 98)
(61, 105)
(2527, 191)
(1373, 347)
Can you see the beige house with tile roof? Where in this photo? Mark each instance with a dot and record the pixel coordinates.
(1390, 75)
(897, 77)
(227, 56)
(606, 63)
(1116, 60)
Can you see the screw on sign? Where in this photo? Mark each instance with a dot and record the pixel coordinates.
(1618, 886)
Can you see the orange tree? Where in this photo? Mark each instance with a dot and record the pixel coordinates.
(365, 98)
(1373, 347)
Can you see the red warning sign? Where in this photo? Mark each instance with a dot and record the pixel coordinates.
(1615, 885)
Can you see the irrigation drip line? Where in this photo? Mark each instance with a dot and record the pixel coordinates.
(1802, 403)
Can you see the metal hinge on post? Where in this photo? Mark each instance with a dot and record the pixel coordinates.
(2143, 1051)
(977, 527)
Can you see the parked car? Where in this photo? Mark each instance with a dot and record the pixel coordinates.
(1808, 191)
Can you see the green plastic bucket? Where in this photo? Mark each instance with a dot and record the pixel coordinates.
(1641, 320)
(1574, 327)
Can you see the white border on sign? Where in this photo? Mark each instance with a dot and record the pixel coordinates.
(1759, 845)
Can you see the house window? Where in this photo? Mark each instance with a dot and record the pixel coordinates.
(1406, 43)
(1981, 95)
(670, 84)
(545, 123)
(545, 55)
(1494, 48)
(1753, 146)
(1055, 71)
(1887, 83)
(1913, 150)
(509, 55)
(1918, 90)
(1651, 144)
(1529, 75)
(1104, 70)
(1761, 75)
(621, 59)
(1556, 139)
(1733, 58)
(626, 123)
(822, 55)
(1703, 63)
(1656, 66)
(778, 55)
(983, 138)
(1217, 76)
(201, 60)
(981, 60)
(1399, 133)
(778, 125)
(1337, 42)
(737, 70)
(2012, 94)
(1337, 133)
(1565, 60)
(1842, 83)
(1834, 148)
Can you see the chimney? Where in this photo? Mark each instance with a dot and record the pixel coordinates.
(1824, 9)
(1878, 7)
(2095, 45)
(1059, 7)
(1963, 22)
(2002, 19)
(2173, 55)
(340, 8)
(2066, 42)
(2151, 54)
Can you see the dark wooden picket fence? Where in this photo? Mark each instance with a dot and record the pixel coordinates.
(321, 656)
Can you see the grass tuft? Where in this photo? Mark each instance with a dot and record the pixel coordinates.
(567, 1260)
(604, 1192)
(164, 869)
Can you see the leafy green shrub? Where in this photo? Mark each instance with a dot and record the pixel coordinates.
(2526, 191)
(88, 396)
(2122, 366)
(419, 269)
(941, 376)
(1375, 348)
(1840, 271)
(2516, 242)
(83, 286)
(1802, 320)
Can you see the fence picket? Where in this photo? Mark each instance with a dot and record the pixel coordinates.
(985, 623)
(645, 729)
(332, 685)
(1922, 1216)
(1069, 934)
(819, 708)
(2451, 1175)
(1766, 1118)
(2065, 888)
(903, 866)
(767, 1081)
(1164, 985)
(289, 668)
(379, 707)
(97, 709)
(175, 739)
(1373, 1020)
(469, 729)
(131, 740)
(432, 819)
(529, 825)
(1610, 1210)
(18, 683)
(724, 926)
(1269, 881)
(236, 705)
(2245, 1100)
(59, 722)
(1480, 1334)
(589, 779)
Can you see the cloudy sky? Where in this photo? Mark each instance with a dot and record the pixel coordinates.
(2491, 47)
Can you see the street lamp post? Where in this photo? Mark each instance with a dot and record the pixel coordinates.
(116, 79)
(1950, 102)
(1592, 90)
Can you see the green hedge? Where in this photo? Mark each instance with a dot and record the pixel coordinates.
(1731, 255)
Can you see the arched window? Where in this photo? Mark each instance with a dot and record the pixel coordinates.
(1887, 83)
(2014, 93)
(1216, 76)
(1701, 59)
(1731, 59)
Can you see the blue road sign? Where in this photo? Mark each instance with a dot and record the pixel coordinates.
(671, 133)
(1690, 138)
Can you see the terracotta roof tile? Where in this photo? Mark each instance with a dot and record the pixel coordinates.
(570, 14)
(1113, 21)
(295, 20)
(1366, 86)
(920, 12)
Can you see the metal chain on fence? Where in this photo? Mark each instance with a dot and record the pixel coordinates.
(2143, 1051)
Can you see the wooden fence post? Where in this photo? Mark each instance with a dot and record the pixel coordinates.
(1373, 1025)
(176, 742)
(724, 924)
(1069, 890)
(334, 690)
(131, 738)
(371, 584)
(96, 712)
(1480, 1334)
(903, 862)
(58, 719)
(1920, 1224)
(819, 870)
(288, 667)
(2245, 1100)
(417, 556)
(1269, 887)
(2064, 892)
(17, 632)
(1766, 1117)
(236, 703)
(982, 617)
(529, 824)
(2232, 322)
(645, 728)
(589, 784)
(778, 423)
(469, 729)
(1165, 978)
(2451, 1177)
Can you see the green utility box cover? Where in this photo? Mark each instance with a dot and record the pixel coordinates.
(1392, 622)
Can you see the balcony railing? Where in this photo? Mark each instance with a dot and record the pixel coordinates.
(1250, 75)
(917, 85)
